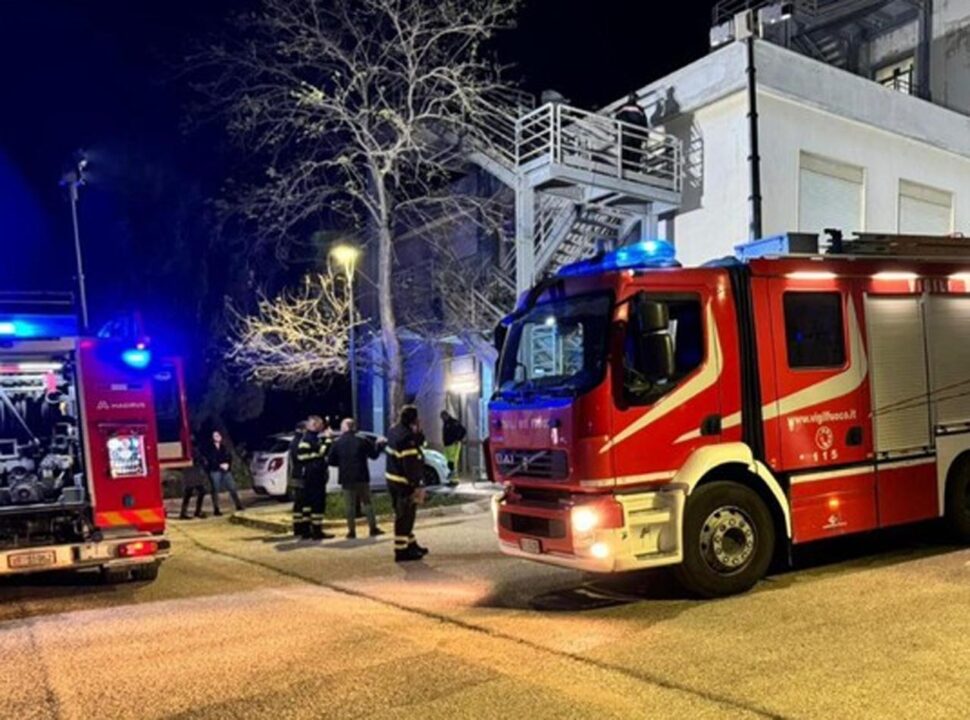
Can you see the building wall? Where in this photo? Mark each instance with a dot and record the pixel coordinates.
(787, 128)
(715, 213)
(950, 54)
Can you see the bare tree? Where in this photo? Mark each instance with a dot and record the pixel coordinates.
(297, 339)
(359, 109)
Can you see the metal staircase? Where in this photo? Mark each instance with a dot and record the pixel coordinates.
(581, 179)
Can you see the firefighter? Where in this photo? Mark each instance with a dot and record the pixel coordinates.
(310, 454)
(405, 470)
(632, 145)
(301, 511)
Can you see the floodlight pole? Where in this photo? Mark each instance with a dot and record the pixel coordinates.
(72, 188)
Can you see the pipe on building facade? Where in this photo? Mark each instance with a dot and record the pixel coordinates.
(754, 156)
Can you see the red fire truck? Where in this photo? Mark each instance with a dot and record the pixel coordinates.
(711, 418)
(79, 444)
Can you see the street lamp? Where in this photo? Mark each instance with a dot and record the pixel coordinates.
(346, 256)
(73, 179)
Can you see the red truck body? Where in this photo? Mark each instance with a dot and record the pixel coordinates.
(834, 389)
(80, 473)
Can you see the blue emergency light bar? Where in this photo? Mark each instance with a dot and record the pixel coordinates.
(644, 255)
(33, 327)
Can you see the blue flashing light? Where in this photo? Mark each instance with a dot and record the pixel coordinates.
(643, 255)
(137, 357)
(28, 327)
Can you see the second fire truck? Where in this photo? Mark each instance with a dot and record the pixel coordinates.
(710, 418)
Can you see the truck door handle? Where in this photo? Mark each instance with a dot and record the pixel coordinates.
(711, 425)
(854, 435)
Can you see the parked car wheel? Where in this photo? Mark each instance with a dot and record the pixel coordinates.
(729, 540)
(431, 476)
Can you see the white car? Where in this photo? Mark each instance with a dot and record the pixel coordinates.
(270, 467)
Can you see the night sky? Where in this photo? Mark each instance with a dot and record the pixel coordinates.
(103, 75)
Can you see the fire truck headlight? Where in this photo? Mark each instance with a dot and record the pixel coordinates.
(584, 519)
(600, 550)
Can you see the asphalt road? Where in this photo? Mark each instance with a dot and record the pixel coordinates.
(245, 624)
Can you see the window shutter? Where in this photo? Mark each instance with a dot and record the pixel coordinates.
(829, 195)
(924, 210)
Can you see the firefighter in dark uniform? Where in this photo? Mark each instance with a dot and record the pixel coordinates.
(311, 464)
(632, 149)
(301, 511)
(405, 471)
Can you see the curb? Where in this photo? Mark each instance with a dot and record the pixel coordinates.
(278, 527)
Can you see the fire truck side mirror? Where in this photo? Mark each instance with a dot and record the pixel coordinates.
(657, 352)
(652, 316)
(498, 337)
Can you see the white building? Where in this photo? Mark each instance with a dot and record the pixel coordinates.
(859, 152)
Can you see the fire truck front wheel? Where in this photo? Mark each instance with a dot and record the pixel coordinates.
(958, 501)
(729, 539)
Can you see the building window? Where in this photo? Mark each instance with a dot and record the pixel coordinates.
(899, 76)
(813, 329)
(924, 210)
(643, 383)
(830, 195)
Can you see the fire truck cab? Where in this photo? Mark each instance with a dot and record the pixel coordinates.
(709, 418)
(79, 445)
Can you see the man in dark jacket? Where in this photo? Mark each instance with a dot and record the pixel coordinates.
(310, 449)
(218, 462)
(632, 146)
(349, 454)
(452, 435)
(404, 472)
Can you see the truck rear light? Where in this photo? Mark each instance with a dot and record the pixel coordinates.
(140, 548)
(274, 465)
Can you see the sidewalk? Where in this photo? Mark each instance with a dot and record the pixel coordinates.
(270, 515)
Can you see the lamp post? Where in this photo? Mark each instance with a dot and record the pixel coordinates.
(346, 256)
(73, 179)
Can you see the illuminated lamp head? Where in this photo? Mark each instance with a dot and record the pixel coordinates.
(8, 328)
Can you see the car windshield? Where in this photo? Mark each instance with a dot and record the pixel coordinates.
(558, 346)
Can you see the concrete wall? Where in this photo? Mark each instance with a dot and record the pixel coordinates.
(787, 128)
(715, 213)
(807, 106)
(950, 54)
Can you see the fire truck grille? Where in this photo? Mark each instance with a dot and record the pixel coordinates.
(544, 464)
(534, 526)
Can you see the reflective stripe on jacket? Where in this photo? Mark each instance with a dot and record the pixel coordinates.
(405, 460)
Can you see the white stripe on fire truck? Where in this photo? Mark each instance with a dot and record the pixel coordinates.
(829, 389)
(861, 469)
(693, 387)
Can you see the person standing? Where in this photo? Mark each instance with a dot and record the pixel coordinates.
(312, 445)
(219, 464)
(452, 435)
(294, 482)
(632, 149)
(404, 472)
(193, 483)
(349, 454)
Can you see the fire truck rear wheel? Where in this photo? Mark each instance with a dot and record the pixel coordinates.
(729, 539)
(958, 503)
(145, 573)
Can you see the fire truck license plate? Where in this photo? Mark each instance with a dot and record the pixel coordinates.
(530, 545)
(28, 560)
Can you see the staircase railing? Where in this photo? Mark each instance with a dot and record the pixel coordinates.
(493, 123)
(596, 143)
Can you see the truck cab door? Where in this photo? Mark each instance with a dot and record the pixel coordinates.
(666, 382)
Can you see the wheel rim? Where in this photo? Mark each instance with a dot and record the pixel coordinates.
(728, 540)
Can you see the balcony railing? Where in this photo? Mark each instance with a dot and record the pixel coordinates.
(901, 81)
(582, 140)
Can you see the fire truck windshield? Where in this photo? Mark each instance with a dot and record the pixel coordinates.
(557, 346)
